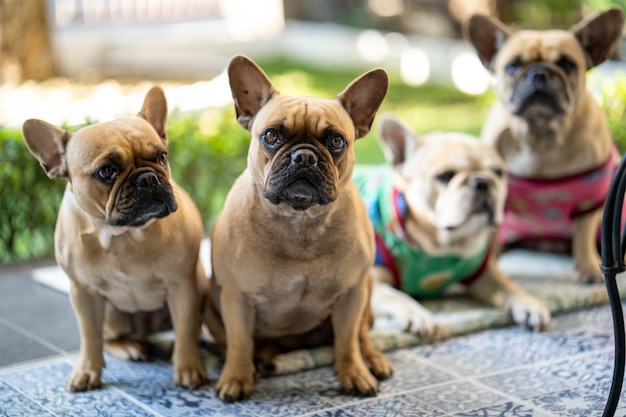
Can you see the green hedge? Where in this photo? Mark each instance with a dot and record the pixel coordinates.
(207, 149)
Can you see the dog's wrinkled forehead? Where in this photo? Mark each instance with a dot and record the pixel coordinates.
(298, 115)
(121, 140)
(457, 152)
(545, 45)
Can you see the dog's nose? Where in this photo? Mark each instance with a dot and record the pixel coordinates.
(538, 74)
(479, 184)
(147, 179)
(304, 157)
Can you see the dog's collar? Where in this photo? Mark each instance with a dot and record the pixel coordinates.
(400, 208)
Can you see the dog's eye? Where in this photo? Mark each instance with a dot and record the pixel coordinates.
(513, 66)
(498, 171)
(272, 138)
(566, 64)
(445, 176)
(108, 174)
(162, 159)
(336, 143)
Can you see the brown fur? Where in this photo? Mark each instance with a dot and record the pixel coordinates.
(568, 142)
(279, 271)
(119, 272)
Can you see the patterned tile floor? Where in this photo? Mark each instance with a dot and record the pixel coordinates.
(505, 372)
(565, 371)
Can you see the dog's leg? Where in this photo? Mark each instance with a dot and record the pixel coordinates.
(184, 302)
(89, 309)
(496, 289)
(378, 364)
(584, 248)
(237, 378)
(398, 308)
(117, 328)
(346, 318)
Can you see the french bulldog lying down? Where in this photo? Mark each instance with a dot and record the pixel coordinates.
(128, 238)
(553, 136)
(435, 209)
(293, 247)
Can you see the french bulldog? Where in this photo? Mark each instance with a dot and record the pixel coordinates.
(552, 134)
(292, 248)
(127, 236)
(435, 208)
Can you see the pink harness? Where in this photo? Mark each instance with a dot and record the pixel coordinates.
(544, 209)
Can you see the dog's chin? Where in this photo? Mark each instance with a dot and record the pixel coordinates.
(141, 218)
(481, 217)
(300, 195)
(538, 105)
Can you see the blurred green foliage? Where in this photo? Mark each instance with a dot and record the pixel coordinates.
(29, 201)
(207, 149)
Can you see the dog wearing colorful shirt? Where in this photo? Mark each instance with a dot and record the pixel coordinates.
(550, 131)
(435, 209)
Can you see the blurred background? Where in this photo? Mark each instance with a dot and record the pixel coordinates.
(76, 62)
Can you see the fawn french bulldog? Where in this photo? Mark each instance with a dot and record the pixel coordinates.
(293, 247)
(435, 208)
(553, 136)
(127, 236)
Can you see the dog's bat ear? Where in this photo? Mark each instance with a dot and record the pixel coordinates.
(47, 143)
(250, 87)
(599, 34)
(154, 110)
(396, 140)
(362, 98)
(487, 34)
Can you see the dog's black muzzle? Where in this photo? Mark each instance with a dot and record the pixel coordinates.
(539, 92)
(145, 195)
(301, 178)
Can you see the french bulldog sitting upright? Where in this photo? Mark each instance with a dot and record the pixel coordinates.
(292, 248)
(553, 136)
(127, 236)
(435, 209)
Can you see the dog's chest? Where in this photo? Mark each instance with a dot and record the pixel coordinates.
(293, 304)
(130, 283)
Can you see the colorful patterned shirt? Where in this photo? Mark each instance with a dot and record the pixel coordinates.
(415, 271)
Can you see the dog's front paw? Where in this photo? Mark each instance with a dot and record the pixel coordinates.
(356, 380)
(528, 311)
(231, 387)
(190, 373)
(589, 273)
(394, 309)
(84, 378)
(378, 364)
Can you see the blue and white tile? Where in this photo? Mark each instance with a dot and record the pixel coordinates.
(406, 405)
(44, 385)
(13, 403)
(458, 396)
(506, 409)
